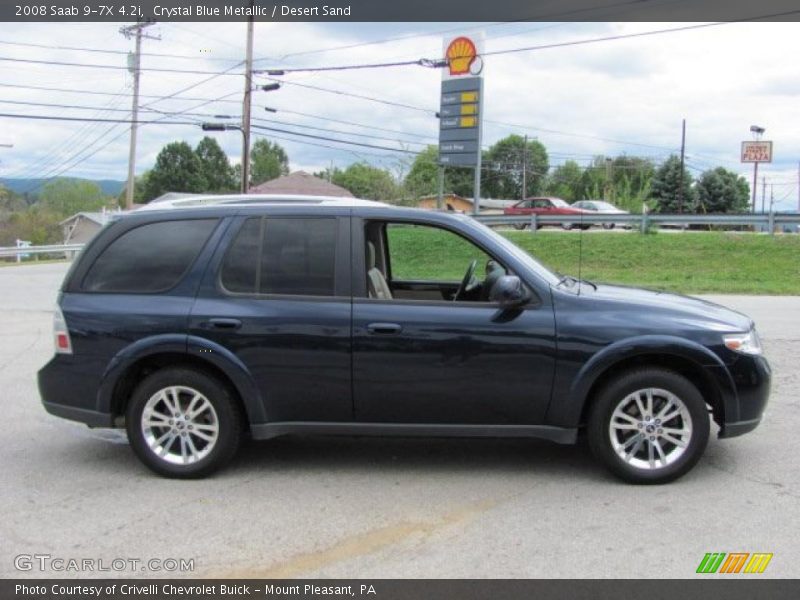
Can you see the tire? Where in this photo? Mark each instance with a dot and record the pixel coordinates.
(193, 445)
(521, 226)
(567, 226)
(585, 227)
(615, 426)
(608, 225)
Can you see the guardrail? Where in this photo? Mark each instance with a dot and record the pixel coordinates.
(68, 250)
(768, 221)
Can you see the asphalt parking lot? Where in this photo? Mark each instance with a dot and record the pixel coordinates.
(373, 508)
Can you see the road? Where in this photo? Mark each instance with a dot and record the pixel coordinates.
(373, 508)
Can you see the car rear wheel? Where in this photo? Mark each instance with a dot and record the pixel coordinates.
(567, 226)
(183, 423)
(608, 225)
(521, 226)
(649, 426)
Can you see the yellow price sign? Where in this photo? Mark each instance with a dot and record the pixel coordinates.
(469, 97)
(467, 122)
(469, 109)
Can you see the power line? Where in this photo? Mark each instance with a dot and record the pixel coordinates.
(96, 93)
(329, 139)
(107, 51)
(113, 67)
(92, 120)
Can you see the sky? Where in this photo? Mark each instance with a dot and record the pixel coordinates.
(624, 96)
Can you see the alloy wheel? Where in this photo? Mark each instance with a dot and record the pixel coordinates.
(650, 428)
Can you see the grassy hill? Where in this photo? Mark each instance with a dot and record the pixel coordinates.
(110, 187)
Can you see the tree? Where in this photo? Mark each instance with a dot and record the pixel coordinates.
(365, 181)
(267, 161)
(215, 167)
(565, 181)
(666, 186)
(177, 169)
(66, 197)
(423, 177)
(505, 160)
(720, 191)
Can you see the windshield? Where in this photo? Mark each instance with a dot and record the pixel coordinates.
(559, 202)
(518, 253)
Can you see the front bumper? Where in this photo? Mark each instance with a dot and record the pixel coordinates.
(752, 377)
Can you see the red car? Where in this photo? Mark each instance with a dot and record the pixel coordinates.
(544, 206)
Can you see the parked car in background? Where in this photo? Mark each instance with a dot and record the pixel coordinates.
(544, 206)
(600, 206)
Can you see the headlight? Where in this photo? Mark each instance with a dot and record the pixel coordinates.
(746, 343)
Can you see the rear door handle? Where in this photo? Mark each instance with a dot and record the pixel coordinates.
(222, 323)
(384, 328)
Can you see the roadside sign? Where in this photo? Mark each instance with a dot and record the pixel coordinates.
(461, 102)
(756, 152)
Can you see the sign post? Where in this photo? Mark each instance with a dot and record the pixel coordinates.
(461, 108)
(755, 152)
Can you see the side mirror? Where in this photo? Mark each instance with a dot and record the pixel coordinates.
(509, 292)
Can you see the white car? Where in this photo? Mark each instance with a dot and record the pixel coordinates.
(600, 206)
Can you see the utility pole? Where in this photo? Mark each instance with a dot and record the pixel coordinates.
(609, 175)
(248, 91)
(525, 169)
(683, 158)
(798, 186)
(440, 194)
(129, 31)
(763, 191)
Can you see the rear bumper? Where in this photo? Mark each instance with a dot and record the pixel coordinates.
(89, 417)
(68, 389)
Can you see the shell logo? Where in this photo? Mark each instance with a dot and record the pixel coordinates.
(462, 57)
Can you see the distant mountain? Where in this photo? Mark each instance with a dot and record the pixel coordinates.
(20, 186)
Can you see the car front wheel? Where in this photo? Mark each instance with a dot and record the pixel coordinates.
(183, 423)
(649, 426)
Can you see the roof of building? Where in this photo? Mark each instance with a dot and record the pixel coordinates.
(101, 218)
(302, 183)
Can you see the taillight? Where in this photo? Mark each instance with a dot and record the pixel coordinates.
(61, 333)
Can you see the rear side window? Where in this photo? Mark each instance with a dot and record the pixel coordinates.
(150, 258)
(282, 256)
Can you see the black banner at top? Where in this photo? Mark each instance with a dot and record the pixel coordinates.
(403, 10)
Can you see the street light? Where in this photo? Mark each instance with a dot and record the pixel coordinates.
(270, 87)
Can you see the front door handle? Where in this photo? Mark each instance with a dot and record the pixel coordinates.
(384, 328)
(222, 323)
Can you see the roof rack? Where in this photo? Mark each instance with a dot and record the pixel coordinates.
(200, 201)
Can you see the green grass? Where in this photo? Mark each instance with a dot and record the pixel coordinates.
(728, 263)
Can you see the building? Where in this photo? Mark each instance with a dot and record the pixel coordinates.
(301, 182)
(487, 206)
(82, 227)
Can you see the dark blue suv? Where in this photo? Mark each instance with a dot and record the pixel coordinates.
(195, 323)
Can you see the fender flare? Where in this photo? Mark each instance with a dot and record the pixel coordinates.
(191, 346)
(628, 348)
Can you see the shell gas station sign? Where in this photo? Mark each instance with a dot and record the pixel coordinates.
(461, 102)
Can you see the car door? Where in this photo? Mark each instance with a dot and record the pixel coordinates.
(428, 360)
(276, 296)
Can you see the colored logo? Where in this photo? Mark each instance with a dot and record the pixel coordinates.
(735, 562)
(462, 57)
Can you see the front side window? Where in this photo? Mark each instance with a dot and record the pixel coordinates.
(424, 253)
(289, 256)
(150, 258)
